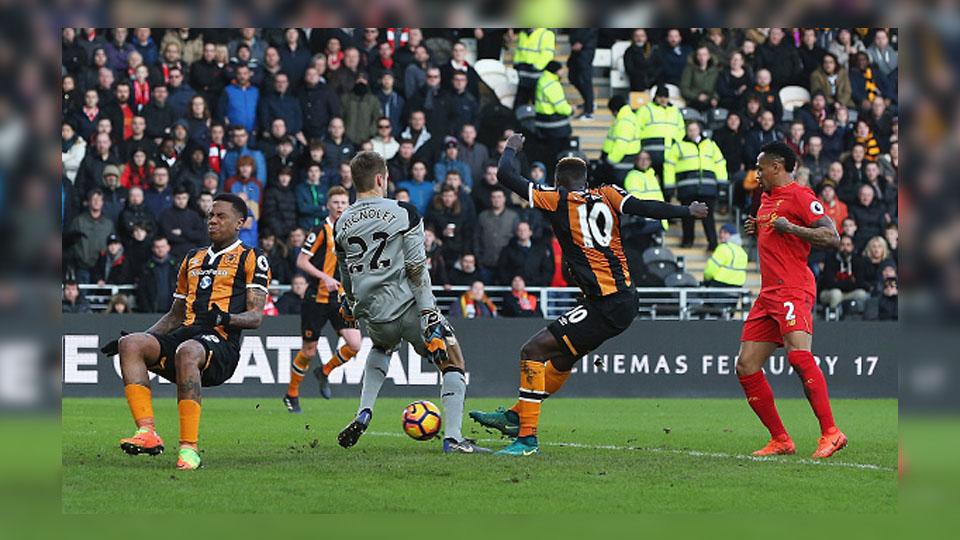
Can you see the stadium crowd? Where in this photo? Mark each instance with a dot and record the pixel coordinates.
(155, 122)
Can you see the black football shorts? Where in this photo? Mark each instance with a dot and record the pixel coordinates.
(585, 327)
(220, 358)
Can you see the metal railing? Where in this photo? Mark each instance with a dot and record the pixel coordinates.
(656, 303)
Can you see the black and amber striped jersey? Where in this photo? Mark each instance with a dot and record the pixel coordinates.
(221, 278)
(587, 225)
(320, 246)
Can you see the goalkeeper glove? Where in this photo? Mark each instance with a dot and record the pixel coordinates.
(113, 348)
(346, 312)
(435, 330)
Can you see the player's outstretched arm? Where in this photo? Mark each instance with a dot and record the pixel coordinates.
(823, 234)
(661, 210)
(172, 319)
(507, 173)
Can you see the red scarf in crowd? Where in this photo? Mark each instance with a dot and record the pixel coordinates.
(91, 113)
(215, 156)
(141, 94)
(398, 37)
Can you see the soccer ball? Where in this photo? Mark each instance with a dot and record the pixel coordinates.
(421, 420)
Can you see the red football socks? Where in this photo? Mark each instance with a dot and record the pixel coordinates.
(814, 385)
(760, 398)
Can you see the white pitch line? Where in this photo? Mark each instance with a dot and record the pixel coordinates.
(693, 453)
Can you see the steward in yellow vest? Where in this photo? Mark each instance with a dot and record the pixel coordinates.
(642, 183)
(622, 144)
(727, 266)
(535, 49)
(659, 123)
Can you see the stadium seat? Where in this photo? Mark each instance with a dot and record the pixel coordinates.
(692, 114)
(793, 97)
(602, 58)
(661, 270)
(716, 118)
(681, 279)
(618, 74)
(657, 254)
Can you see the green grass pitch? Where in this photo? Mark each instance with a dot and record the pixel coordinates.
(598, 455)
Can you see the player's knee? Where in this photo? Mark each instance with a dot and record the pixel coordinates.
(309, 348)
(531, 350)
(188, 355)
(743, 368)
(353, 341)
(129, 345)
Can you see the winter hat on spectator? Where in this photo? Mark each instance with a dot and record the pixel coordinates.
(111, 170)
(825, 183)
(539, 165)
(662, 91)
(113, 239)
(553, 66)
(729, 228)
(450, 142)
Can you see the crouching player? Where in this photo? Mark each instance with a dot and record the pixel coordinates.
(382, 263)
(221, 290)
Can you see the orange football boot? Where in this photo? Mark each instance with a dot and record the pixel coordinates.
(830, 443)
(144, 441)
(778, 446)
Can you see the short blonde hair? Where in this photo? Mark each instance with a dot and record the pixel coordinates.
(880, 241)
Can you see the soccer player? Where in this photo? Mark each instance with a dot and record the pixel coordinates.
(789, 221)
(221, 290)
(382, 264)
(321, 304)
(587, 225)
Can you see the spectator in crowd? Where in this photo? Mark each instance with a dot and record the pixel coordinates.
(406, 50)
(189, 40)
(96, 159)
(290, 301)
(118, 49)
(436, 264)
(698, 83)
(344, 179)
(170, 60)
(881, 54)
(891, 233)
(282, 104)
(280, 204)
(839, 278)
(458, 65)
(812, 114)
(277, 256)
(294, 57)
(671, 58)
(472, 152)
(447, 216)
(240, 138)
(158, 114)
(765, 133)
(239, 101)
(865, 83)
(424, 143)
(114, 195)
(112, 266)
(814, 161)
(343, 79)
(845, 46)
(767, 94)
(833, 207)
(495, 229)
(182, 226)
(876, 256)
(730, 139)
(312, 199)
(474, 304)
(72, 54)
(159, 280)
(91, 229)
(750, 114)
(882, 120)
(727, 265)
(525, 258)
(119, 304)
(284, 155)
(319, 104)
(384, 143)
(391, 102)
(481, 190)
(583, 46)
(120, 113)
(778, 55)
(383, 63)
(887, 309)
(367, 47)
(135, 213)
(517, 302)
(832, 81)
(295, 241)
(138, 140)
(248, 37)
(885, 192)
(864, 135)
(450, 161)
(465, 107)
(73, 149)
(73, 300)
(415, 74)
(464, 271)
(454, 179)
(144, 44)
(245, 182)
(854, 173)
(160, 195)
(420, 190)
(192, 171)
(207, 76)
(337, 147)
(205, 204)
(796, 139)
(849, 228)
(697, 168)
(733, 83)
(811, 55)
(399, 167)
(361, 109)
(833, 139)
(333, 53)
(870, 215)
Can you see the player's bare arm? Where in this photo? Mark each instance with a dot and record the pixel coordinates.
(253, 316)
(171, 320)
(304, 264)
(823, 234)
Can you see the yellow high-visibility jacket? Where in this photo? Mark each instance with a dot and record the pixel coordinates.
(644, 186)
(694, 169)
(727, 264)
(622, 140)
(658, 127)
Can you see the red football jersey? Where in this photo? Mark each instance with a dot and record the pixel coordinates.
(783, 257)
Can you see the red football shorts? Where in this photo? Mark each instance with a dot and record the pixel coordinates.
(775, 314)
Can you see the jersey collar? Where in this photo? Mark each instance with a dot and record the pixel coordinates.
(227, 249)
